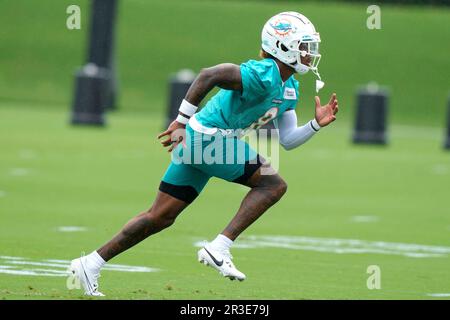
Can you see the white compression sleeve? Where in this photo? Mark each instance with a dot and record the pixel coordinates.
(292, 136)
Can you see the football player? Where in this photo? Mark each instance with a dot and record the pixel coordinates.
(251, 95)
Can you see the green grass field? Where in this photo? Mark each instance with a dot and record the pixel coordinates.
(55, 175)
(392, 201)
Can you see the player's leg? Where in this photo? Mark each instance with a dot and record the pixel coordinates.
(161, 215)
(180, 186)
(266, 190)
(267, 187)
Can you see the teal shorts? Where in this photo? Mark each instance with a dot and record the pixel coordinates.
(221, 155)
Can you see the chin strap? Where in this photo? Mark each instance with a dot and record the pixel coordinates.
(319, 83)
(302, 69)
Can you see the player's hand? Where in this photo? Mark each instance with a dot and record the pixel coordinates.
(327, 113)
(176, 133)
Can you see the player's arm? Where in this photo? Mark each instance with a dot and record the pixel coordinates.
(292, 136)
(225, 76)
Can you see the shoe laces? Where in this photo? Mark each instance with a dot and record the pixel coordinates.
(96, 276)
(226, 253)
(223, 251)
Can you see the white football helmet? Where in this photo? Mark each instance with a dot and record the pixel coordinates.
(288, 36)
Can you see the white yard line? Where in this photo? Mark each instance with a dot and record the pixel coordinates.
(364, 219)
(340, 246)
(440, 169)
(27, 154)
(54, 267)
(19, 172)
(32, 272)
(71, 229)
(438, 295)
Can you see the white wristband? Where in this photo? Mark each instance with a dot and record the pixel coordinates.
(316, 127)
(187, 108)
(181, 119)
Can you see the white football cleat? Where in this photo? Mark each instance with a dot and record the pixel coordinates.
(86, 277)
(221, 261)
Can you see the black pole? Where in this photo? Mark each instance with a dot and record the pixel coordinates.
(102, 44)
(447, 142)
(91, 87)
(371, 115)
(179, 84)
(95, 84)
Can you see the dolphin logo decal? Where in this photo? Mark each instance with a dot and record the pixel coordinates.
(282, 27)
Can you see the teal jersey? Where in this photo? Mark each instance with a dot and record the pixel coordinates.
(263, 94)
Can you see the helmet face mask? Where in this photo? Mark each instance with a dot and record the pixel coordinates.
(289, 37)
(310, 52)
